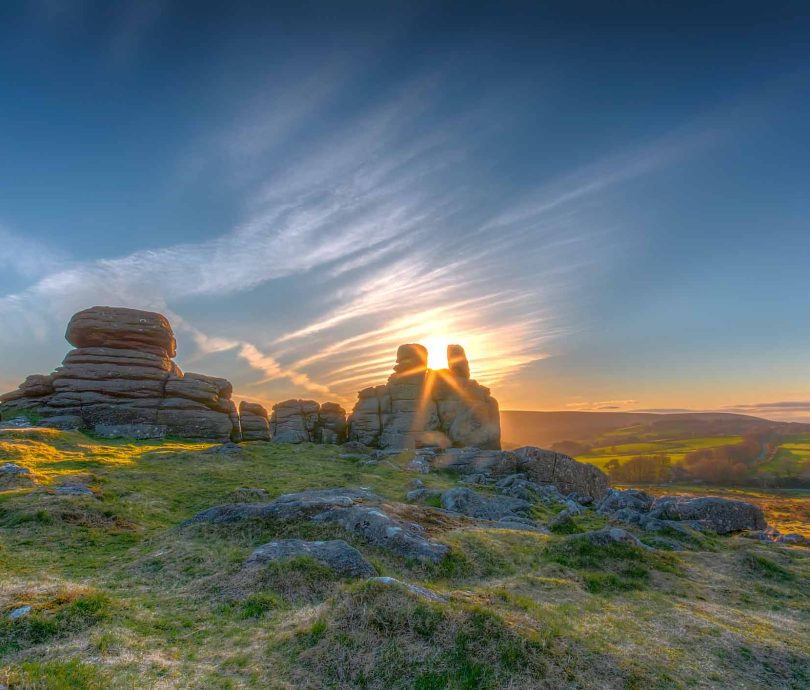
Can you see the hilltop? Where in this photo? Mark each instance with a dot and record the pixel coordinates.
(125, 592)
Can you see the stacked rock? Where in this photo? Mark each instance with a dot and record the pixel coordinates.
(419, 407)
(121, 381)
(298, 421)
(254, 421)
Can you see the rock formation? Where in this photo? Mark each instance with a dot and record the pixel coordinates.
(421, 407)
(254, 422)
(299, 421)
(121, 381)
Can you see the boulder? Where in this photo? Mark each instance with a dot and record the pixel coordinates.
(609, 536)
(411, 359)
(299, 421)
(379, 529)
(119, 327)
(335, 554)
(457, 361)
(470, 503)
(721, 515)
(565, 473)
(254, 421)
(13, 476)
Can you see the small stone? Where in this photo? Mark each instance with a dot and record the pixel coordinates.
(19, 612)
(414, 589)
(335, 554)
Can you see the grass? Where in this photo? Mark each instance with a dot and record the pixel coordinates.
(122, 597)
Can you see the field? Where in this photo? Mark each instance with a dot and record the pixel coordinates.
(123, 596)
(674, 448)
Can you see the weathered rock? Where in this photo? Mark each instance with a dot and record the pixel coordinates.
(227, 448)
(562, 522)
(468, 502)
(299, 421)
(419, 407)
(65, 422)
(335, 554)
(568, 475)
(381, 530)
(136, 431)
(287, 507)
(254, 422)
(609, 536)
(13, 476)
(721, 515)
(19, 612)
(121, 381)
(16, 423)
(423, 592)
(632, 499)
(457, 361)
(119, 327)
(332, 423)
(411, 359)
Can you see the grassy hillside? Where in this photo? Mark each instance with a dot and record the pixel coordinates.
(123, 597)
(546, 428)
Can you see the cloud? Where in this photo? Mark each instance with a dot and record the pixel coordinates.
(377, 236)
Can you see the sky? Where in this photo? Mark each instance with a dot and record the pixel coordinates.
(607, 204)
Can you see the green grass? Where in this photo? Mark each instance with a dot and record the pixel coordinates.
(122, 597)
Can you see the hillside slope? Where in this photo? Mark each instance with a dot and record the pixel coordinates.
(123, 595)
(521, 428)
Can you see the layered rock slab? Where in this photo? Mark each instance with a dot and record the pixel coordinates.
(121, 380)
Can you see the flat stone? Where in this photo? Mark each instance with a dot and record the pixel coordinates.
(335, 554)
(19, 612)
(468, 502)
(423, 592)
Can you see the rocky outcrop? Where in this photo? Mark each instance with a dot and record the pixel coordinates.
(421, 407)
(470, 503)
(254, 422)
(720, 515)
(121, 380)
(537, 466)
(358, 511)
(299, 421)
(336, 554)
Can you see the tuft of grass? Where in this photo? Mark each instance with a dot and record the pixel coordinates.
(762, 566)
(68, 613)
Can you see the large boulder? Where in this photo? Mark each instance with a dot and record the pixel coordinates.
(419, 407)
(119, 327)
(721, 515)
(568, 475)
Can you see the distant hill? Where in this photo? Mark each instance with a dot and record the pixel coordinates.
(520, 428)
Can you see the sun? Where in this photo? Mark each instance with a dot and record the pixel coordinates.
(437, 351)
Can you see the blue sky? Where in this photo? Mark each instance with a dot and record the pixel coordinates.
(608, 206)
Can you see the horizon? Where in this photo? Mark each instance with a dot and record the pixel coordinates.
(609, 215)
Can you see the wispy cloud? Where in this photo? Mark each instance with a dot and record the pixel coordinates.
(603, 406)
(379, 238)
